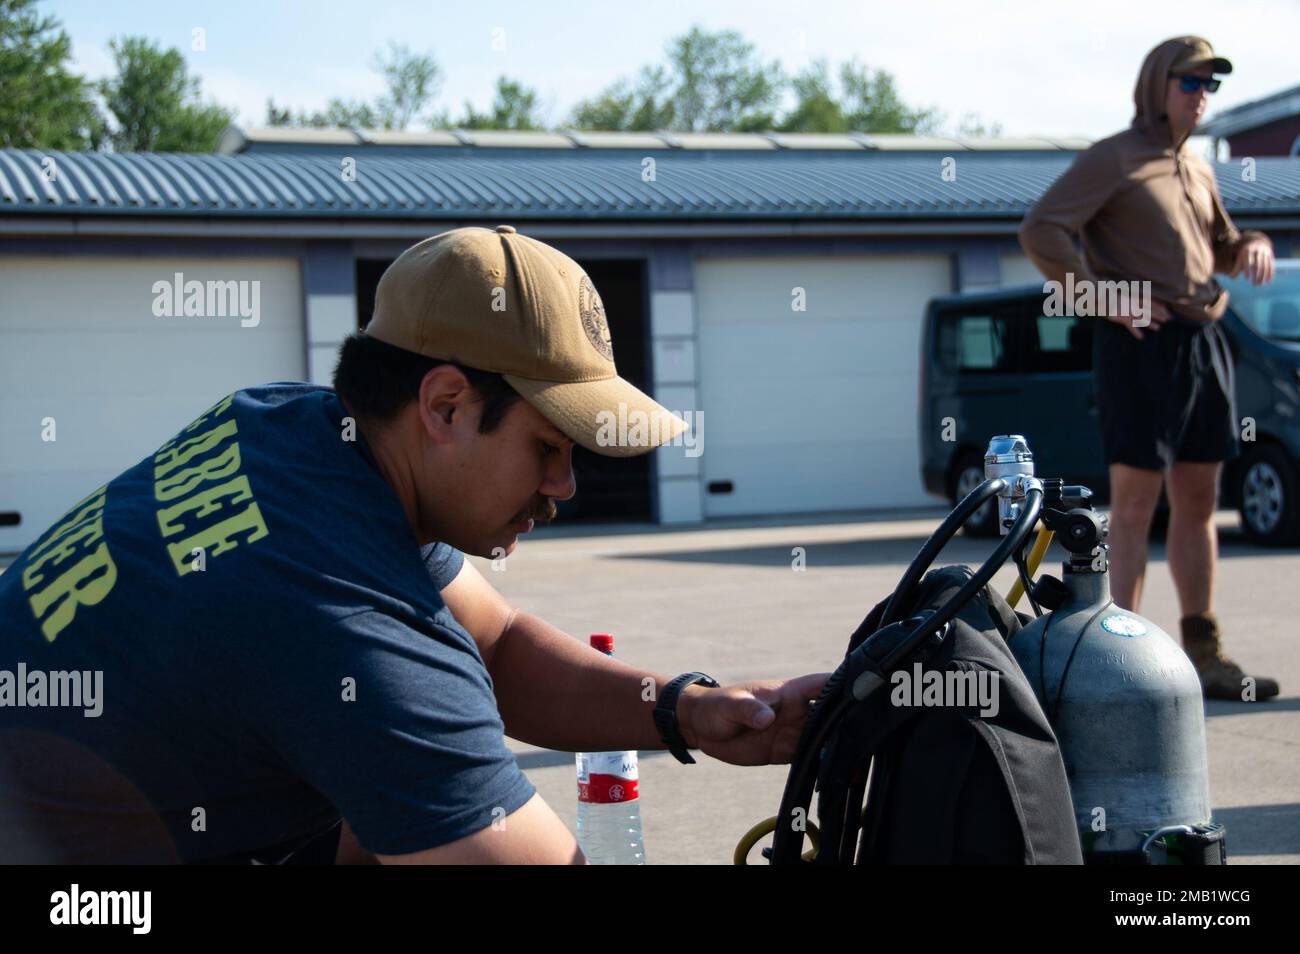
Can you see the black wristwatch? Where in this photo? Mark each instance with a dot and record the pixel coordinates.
(665, 713)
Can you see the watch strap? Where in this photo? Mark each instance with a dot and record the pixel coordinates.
(665, 713)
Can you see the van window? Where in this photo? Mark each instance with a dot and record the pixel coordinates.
(1061, 344)
(974, 343)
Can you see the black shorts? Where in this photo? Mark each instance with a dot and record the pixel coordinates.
(1169, 397)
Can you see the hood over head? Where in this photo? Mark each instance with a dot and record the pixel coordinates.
(1185, 52)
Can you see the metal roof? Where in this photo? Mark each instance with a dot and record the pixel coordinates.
(1283, 104)
(281, 138)
(563, 185)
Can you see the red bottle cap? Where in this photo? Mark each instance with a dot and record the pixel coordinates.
(602, 641)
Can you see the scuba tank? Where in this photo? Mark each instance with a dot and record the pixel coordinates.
(1121, 695)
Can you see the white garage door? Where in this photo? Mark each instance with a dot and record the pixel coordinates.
(1019, 269)
(812, 410)
(80, 344)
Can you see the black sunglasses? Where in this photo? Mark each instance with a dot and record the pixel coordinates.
(1190, 84)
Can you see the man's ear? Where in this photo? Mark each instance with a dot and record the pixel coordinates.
(443, 402)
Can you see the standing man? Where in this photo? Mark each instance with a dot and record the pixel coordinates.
(1147, 209)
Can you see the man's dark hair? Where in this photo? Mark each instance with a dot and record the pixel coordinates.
(378, 380)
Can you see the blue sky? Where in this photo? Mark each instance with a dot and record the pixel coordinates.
(1036, 67)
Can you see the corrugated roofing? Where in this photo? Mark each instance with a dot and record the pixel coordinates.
(1283, 104)
(614, 185)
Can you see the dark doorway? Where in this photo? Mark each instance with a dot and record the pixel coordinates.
(610, 489)
(617, 488)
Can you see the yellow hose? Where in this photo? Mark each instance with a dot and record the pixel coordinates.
(1041, 543)
(751, 838)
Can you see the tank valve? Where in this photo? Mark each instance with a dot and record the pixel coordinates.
(1009, 457)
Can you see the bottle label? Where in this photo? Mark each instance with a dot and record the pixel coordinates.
(607, 777)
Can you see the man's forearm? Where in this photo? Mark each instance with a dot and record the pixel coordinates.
(1052, 250)
(556, 693)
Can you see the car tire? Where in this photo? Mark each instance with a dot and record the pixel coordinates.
(966, 476)
(1268, 485)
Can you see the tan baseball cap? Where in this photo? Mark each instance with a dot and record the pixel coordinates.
(1199, 53)
(499, 301)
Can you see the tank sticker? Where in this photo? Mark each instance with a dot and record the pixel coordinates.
(1122, 625)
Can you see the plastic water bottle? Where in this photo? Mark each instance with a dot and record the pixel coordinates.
(609, 811)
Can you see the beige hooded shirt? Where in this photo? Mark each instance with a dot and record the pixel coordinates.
(1144, 208)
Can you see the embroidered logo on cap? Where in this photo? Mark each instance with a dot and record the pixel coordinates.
(593, 318)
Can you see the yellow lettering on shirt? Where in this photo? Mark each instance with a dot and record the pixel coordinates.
(197, 473)
(202, 504)
(219, 537)
(85, 584)
(185, 481)
(71, 567)
(87, 512)
(171, 456)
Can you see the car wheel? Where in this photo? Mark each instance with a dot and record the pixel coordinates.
(1267, 485)
(967, 475)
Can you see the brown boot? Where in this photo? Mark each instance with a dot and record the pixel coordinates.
(1221, 678)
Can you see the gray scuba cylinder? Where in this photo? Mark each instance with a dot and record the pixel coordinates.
(1121, 695)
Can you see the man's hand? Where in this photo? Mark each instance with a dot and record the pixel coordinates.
(750, 723)
(1255, 261)
(1136, 322)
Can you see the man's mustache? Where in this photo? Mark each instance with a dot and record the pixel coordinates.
(542, 511)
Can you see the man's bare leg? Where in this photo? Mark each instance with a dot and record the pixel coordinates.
(1193, 549)
(1134, 493)
(1192, 542)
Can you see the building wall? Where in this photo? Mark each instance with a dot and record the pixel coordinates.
(1280, 138)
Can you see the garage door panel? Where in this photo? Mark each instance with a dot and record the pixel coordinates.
(167, 362)
(1019, 270)
(81, 345)
(831, 347)
(50, 294)
(773, 411)
(848, 288)
(810, 477)
(804, 409)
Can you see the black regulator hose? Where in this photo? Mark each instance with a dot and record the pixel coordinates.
(824, 712)
(964, 510)
(1015, 539)
(836, 698)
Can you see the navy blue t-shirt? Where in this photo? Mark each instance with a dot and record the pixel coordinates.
(273, 649)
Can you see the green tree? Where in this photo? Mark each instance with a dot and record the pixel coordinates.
(816, 108)
(412, 81)
(712, 82)
(43, 105)
(871, 103)
(515, 107)
(155, 104)
(624, 105)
